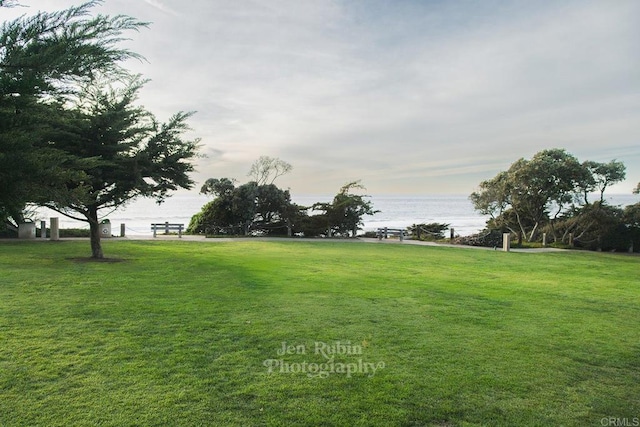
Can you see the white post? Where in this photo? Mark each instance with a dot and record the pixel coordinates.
(55, 229)
(506, 242)
(544, 240)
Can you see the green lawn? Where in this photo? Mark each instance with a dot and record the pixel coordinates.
(186, 333)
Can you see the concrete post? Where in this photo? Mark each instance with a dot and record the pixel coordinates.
(43, 229)
(452, 233)
(122, 230)
(55, 229)
(27, 230)
(506, 242)
(544, 240)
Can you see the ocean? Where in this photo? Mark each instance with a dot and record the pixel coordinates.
(395, 212)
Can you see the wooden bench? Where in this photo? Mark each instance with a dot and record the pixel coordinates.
(167, 227)
(385, 232)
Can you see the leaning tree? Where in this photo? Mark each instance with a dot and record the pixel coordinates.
(119, 152)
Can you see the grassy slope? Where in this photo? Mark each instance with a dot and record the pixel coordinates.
(178, 333)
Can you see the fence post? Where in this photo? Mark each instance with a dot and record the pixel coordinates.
(506, 242)
(452, 233)
(122, 229)
(43, 229)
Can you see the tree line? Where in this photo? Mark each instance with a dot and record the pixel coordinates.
(551, 193)
(259, 207)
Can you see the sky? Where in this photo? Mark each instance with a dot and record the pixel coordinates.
(408, 96)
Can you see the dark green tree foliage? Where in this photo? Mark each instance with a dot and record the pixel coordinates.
(218, 187)
(249, 208)
(266, 209)
(344, 214)
(550, 193)
(121, 152)
(42, 59)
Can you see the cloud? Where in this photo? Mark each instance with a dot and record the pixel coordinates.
(410, 96)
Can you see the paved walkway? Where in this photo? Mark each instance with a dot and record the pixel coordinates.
(192, 238)
(203, 239)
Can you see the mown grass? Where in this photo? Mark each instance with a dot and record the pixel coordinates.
(178, 334)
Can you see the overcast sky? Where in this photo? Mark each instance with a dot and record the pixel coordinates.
(414, 97)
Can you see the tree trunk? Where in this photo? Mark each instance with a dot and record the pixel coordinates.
(94, 226)
(533, 233)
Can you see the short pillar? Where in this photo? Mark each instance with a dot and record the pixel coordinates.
(43, 229)
(386, 233)
(55, 229)
(506, 242)
(452, 233)
(122, 230)
(544, 240)
(27, 230)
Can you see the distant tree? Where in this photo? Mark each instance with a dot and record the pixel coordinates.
(493, 199)
(218, 187)
(344, 214)
(266, 169)
(637, 189)
(603, 175)
(522, 198)
(120, 152)
(42, 59)
(244, 209)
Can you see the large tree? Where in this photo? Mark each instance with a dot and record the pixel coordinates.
(42, 59)
(119, 151)
(539, 191)
(344, 214)
(247, 208)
